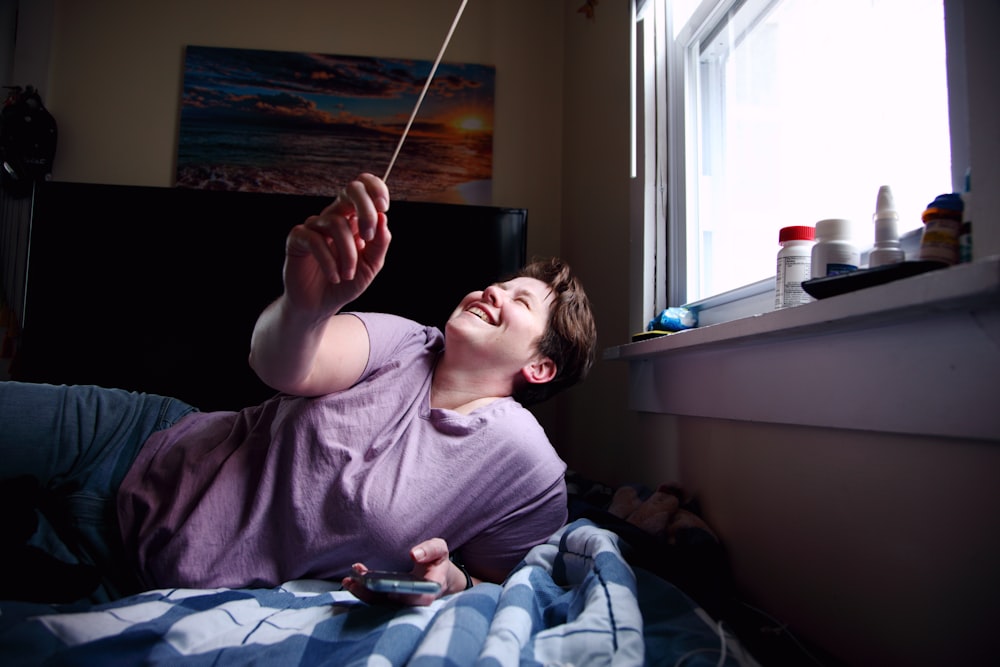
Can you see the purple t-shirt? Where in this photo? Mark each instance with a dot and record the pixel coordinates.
(304, 487)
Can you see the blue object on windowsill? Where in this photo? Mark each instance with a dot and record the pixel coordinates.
(673, 319)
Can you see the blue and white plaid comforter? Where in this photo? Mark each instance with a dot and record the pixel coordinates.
(572, 601)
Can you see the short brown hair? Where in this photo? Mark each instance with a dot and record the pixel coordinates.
(570, 339)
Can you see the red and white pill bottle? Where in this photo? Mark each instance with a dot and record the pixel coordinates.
(794, 266)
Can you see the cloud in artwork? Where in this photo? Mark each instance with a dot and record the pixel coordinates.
(290, 89)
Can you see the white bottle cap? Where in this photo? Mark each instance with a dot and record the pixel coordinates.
(833, 228)
(885, 206)
(885, 216)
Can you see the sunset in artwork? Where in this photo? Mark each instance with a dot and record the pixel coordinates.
(271, 121)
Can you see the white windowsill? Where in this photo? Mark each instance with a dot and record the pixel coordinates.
(918, 355)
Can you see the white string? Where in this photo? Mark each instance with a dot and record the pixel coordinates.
(420, 99)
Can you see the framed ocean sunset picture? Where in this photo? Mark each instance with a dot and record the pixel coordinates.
(306, 123)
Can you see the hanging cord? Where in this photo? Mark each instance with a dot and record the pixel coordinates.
(420, 99)
(722, 650)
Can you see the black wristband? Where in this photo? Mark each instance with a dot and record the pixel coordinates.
(468, 578)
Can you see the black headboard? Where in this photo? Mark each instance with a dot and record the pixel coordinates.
(157, 289)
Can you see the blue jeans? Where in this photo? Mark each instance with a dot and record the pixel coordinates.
(79, 442)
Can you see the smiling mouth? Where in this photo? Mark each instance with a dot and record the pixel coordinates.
(481, 314)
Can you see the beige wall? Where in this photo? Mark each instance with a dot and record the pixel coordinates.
(594, 425)
(883, 548)
(115, 73)
(112, 76)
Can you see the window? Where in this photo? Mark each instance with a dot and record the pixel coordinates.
(785, 112)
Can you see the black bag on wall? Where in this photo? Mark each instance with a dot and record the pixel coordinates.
(27, 140)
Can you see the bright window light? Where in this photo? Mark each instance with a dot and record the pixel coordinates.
(800, 110)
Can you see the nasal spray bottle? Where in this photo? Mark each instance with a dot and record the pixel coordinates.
(887, 249)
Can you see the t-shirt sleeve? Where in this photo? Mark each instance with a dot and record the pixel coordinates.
(389, 337)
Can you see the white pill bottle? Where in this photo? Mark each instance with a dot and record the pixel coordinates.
(834, 253)
(794, 261)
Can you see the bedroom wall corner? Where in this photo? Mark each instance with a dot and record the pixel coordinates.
(592, 426)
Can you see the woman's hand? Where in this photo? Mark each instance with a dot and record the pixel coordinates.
(298, 346)
(430, 561)
(331, 258)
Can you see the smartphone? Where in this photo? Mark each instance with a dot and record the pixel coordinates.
(397, 582)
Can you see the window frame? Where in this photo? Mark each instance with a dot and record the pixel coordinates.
(663, 193)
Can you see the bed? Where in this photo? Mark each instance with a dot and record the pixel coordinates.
(574, 600)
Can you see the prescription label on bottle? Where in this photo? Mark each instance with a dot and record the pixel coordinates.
(837, 268)
(792, 272)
